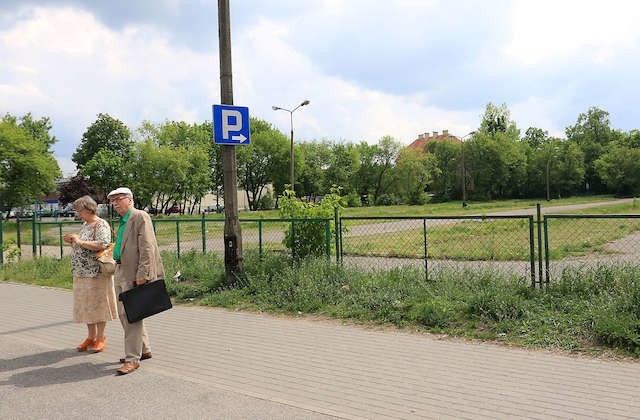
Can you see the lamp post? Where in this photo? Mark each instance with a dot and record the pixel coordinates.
(464, 171)
(291, 111)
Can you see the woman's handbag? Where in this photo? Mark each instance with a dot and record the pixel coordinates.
(145, 300)
(105, 260)
(105, 257)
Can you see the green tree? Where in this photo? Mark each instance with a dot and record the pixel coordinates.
(107, 171)
(342, 169)
(177, 155)
(106, 133)
(445, 173)
(496, 119)
(619, 169)
(265, 160)
(496, 165)
(317, 156)
(592, 133)
(376, 163)
(28, 169)
(412, 173)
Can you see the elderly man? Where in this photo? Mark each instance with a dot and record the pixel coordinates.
(138, 261)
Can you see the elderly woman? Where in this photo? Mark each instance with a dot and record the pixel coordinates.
(94, 298)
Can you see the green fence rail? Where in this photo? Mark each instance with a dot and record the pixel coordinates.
(532, 247)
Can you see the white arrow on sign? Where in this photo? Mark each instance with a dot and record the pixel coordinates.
(240, 138)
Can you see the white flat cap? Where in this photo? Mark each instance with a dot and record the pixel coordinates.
(121, 190)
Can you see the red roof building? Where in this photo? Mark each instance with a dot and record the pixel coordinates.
(422, 139)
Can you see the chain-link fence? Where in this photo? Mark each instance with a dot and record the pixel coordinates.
(25, 238)
(587, 242)
(436, 243)
(537, 248)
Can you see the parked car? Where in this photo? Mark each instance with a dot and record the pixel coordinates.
(173, 209)
(216, 207)
(153, 210)
(67, 213)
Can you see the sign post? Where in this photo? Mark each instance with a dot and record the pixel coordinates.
(232, 232)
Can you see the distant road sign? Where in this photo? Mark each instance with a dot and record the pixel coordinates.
(231, 125)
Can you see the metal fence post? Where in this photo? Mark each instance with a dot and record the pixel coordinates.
(532, 252)
(18, 239)
(424, 232)
(60, 237)
(546, 250)
(327, 238)
(33, 235)
(336, 224)
(1, 241)
(293, 239)
(204, 236)
(538, 212)
(178, 236)
(260, 239)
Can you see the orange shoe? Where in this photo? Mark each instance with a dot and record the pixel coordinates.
(98, 345)
(85, 344)
(127, 368)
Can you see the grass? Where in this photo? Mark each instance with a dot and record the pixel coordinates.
(595, 311)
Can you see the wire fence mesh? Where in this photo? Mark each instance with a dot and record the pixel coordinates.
(538, 249)
(587, 242)
(501, 243)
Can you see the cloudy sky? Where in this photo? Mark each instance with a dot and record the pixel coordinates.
(370, 68)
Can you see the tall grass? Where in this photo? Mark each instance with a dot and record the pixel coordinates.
(584, 310)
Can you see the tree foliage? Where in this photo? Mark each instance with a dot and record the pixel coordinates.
(28, 169)
(265, 160)
(106, 133)
(76, 187)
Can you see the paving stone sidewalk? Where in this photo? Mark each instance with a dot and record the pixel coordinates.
(212, 363)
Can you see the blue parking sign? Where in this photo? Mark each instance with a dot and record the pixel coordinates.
(231, 125)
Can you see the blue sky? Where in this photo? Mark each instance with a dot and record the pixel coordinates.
(369, 68)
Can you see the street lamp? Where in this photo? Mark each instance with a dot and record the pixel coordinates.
(291, 111)
(464, 171)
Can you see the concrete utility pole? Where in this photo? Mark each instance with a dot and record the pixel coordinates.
(232, 232)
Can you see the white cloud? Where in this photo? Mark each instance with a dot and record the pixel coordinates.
(77, 68)
(548, 30)
(339, 109)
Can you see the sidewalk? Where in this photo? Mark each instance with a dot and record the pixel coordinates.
(212, 363)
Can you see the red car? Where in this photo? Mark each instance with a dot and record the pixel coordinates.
(173, 209)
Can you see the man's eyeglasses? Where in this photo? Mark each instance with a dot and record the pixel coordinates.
(115, 200)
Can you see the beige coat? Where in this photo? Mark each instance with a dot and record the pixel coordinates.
(139, 253)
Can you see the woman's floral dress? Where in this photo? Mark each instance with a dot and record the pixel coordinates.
(94, 298)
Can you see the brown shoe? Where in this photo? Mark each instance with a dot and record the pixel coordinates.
(144, 356)
(98, 345)
(127, 368)
(85, 344)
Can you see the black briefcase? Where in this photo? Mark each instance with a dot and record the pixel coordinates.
(145, 300)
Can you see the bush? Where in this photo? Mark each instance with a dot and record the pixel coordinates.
(388, 200)
(308, 239)
(266, 202)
